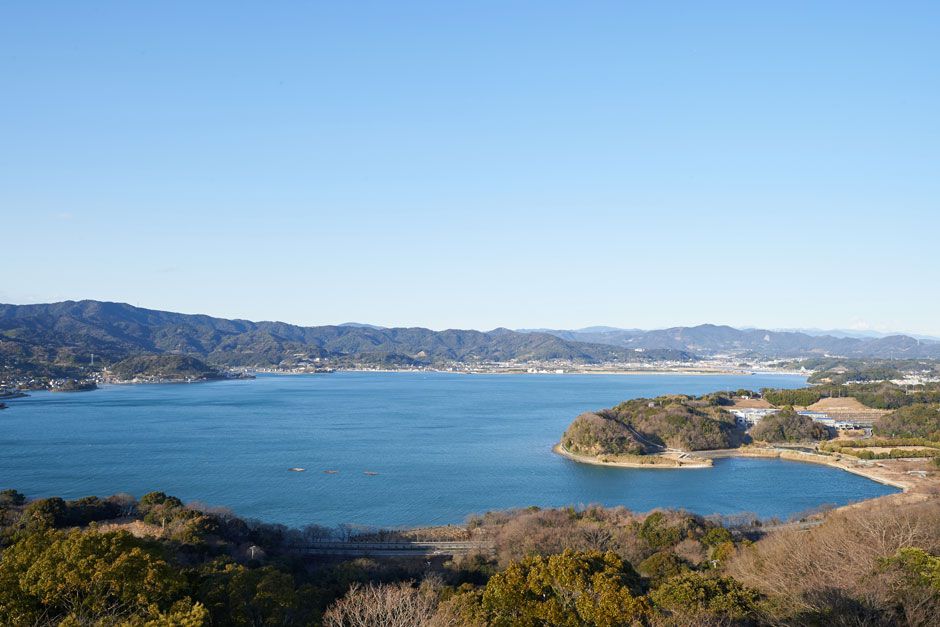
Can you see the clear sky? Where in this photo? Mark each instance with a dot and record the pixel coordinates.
(476, 164)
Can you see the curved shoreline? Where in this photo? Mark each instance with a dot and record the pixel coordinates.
(559, 449)
(873, 473)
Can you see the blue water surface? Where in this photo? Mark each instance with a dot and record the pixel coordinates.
(443, 445)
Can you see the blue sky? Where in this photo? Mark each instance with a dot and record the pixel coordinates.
(479, 164)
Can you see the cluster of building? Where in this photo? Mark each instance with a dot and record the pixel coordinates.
(748, 417)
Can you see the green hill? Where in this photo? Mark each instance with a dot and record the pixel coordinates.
(163, 367)
(645, 425)
(914, 421)
(789, 426)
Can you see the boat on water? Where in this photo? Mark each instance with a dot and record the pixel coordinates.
(330, 472)
(297, 469)
(370, 473)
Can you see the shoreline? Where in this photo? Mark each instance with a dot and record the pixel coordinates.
(677, 464)
(632, 372)
(873, 473)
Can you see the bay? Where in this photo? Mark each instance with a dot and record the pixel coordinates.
(441, 445)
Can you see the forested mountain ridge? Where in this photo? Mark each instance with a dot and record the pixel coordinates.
(69, 332)
(710, 339)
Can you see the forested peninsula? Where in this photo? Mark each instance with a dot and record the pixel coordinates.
(679, 430)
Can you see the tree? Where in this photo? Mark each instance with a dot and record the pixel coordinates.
(151, 499)
(84, 576)
(914, 576)
(389, 605)
(45, 514)
(183, 613)
(661, 566)
(9, 501)
(566, 589)
(11, 498)
(692, 594)
(658, 533)
(241, 596)
(915, 421)
(788, 426)
(159, 509)
(716, 536)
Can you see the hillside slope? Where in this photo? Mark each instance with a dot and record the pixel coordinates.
(710, 339)
(644, 425)
(69, 332)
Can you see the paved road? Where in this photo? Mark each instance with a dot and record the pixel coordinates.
(394, 549)
(800, 526)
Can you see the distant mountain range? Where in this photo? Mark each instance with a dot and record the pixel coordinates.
(862, 333)
(709, 340)
(49, 339)
(62, 334)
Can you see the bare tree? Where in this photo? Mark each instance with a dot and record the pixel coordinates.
(843, 559)
(391, 605)
(125, 503)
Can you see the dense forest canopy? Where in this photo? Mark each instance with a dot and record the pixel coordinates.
(156, 561)
(878, 395)
(167, 367)
(913, 410)
(913, 421)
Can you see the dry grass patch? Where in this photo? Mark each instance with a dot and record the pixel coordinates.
(136, 528)
(803, 571)
(844, 405)
(751, 403)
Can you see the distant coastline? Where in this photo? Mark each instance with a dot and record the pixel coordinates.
(628, 372)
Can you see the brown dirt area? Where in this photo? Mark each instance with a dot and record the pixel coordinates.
(751, 403)
(846, 408)
(136, 528)
(849, 403)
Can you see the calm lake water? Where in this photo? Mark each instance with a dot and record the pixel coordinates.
(443, 446)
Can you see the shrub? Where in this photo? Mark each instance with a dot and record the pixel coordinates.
(596, 434)
(83, 577)
(716, 535)
(694, 594)
(658, 533)
(661, 566)
(11, 498)
(914, 421)
(570, 588)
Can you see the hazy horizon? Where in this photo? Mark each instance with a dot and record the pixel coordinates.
(848, 332)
